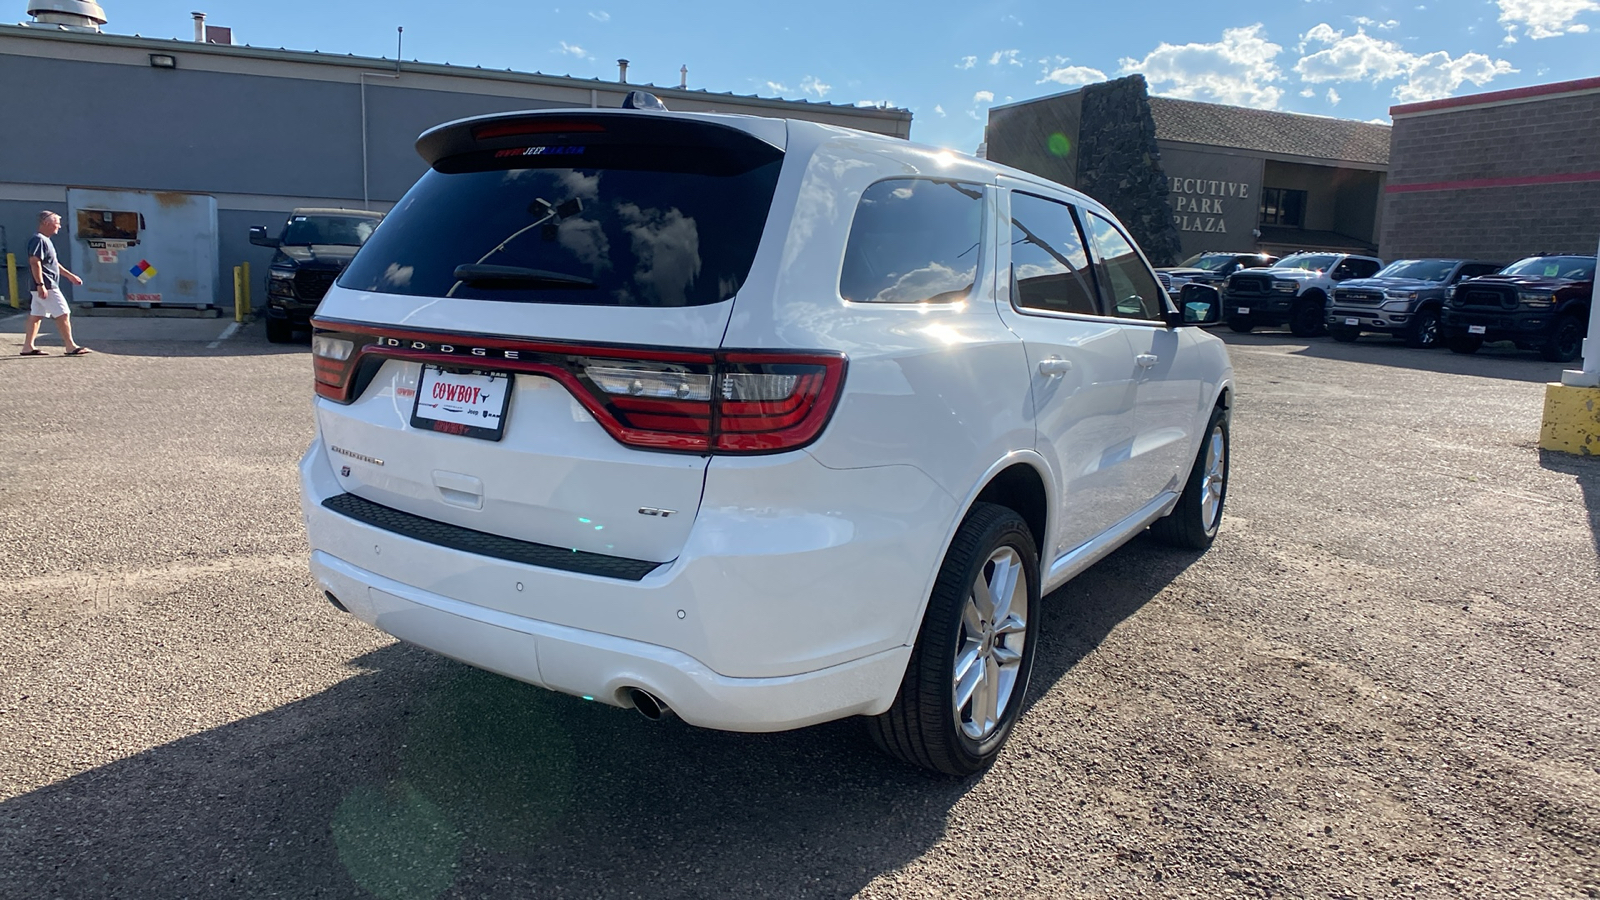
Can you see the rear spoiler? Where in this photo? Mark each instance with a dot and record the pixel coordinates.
(557, 127)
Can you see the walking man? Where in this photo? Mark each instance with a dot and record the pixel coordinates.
(48, 301)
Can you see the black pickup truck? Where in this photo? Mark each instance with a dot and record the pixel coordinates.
(313, 248)
(1541, 303)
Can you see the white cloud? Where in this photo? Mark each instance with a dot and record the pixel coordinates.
(777, 87)
(1437, 75)
(1362, 57)
(983, 97)
(1544, 18)
(1374, 23)
(967, 62)
(1008, 56)
(939, 110)
(874, 104)
(600, 15)
(1239, 69)
(1071, 75)
(575, 50)
(811, 85)
(1333, 97)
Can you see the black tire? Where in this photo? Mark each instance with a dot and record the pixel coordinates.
(279, 331)
(1190, 524)
(1567, 342)
(1425, 330)
(1308, 319)
(1242, 326)
(1344, 334)
(921, 728)
(1465, 344)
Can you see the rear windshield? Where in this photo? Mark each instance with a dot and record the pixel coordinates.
(1575, 268)
(613, 225)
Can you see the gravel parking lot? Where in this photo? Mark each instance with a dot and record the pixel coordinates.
(1381, 681)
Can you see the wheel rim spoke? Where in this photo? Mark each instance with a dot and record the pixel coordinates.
(990, 644)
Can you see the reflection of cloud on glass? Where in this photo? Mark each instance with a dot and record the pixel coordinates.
(396, 276)
(667, 247)
(577, 184)
(929, 283)
(587, 241)
(1036, 270)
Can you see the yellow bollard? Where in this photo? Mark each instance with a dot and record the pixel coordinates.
(11, 280)
(249, 307)
(238, 295)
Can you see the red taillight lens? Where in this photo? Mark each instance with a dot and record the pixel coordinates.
(533, 126)
(679, 400)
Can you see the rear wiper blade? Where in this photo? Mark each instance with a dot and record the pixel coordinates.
(482, 276)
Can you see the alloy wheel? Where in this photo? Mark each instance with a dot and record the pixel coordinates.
(990, 644)
(1214, 480)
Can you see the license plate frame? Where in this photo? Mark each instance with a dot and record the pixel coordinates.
(1477, 329)
(477, 399)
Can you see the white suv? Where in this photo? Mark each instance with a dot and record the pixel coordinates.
(762, 422)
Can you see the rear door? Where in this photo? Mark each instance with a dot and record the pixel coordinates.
(530, 331)
(1084, 378)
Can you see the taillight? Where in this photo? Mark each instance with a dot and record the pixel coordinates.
(725, 402)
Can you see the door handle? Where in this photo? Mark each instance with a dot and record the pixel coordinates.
(1054, 366)
(1146, 360)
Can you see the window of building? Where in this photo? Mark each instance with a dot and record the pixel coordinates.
(1049, 267)
(913, 240)
(1281, 206)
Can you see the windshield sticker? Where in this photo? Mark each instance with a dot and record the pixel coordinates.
(1552, 270)
(574, 150)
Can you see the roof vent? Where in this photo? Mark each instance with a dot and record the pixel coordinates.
(74, 15)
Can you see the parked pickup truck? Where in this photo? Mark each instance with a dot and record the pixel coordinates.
(1541, 303)
(1210, 267)
(1294, 292)
(1405, 299)
(313, 248)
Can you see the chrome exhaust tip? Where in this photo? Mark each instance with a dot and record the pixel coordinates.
(649, 705)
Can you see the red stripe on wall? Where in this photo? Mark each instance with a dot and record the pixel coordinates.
(1475, 183)
(1538, 90)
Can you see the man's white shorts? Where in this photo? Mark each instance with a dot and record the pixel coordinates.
(54, 304)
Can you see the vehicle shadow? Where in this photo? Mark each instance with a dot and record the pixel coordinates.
(1586, 470)
(1497, 360)
(421, 778)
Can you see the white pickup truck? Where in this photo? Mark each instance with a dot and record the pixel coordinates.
(1294, 292)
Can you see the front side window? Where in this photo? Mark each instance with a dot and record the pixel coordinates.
(1133, 291)
(913, 240)
(610, 224)
(1049, 266)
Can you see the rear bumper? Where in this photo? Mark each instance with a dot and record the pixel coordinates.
(796, 605)
(601, 667)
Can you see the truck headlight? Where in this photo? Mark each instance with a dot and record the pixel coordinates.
(1287, 287)
(1536, 299)
(1400, 295)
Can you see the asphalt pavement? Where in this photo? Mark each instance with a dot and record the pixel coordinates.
(1380, 682)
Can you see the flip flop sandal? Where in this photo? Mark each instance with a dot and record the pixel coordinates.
(31, 353)
(78, 351)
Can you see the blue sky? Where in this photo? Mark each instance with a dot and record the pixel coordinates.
(948, 62)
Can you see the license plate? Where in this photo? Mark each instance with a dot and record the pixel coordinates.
(1477, 329)
(1243, 310)
(1352, 321)
(462, 402)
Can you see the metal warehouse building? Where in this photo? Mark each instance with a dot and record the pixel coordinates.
(244, 134)
(1189, 176)
(1497, 175)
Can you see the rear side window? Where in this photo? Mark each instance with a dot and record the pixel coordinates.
(1134, 293)
(614, 224)
(913, 240)
(1049, 267)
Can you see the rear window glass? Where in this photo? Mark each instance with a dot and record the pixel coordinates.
(614, 225)
(913, 240)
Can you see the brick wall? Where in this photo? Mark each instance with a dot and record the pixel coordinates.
(1497, 181)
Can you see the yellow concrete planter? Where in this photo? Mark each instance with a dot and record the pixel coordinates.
(1571, 419)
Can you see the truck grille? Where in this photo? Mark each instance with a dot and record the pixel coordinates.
(313, 283)
(1250, 284)
(1166, 281)
(1487, 295)
(1356, 295)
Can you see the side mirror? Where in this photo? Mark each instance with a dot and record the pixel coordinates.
(1198, 304)
(259, 237)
